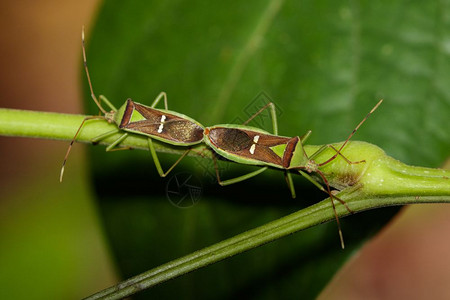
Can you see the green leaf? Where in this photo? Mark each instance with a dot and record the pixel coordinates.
(323, 63)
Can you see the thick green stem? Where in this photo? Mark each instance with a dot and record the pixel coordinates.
(380, 174)
(58, 126)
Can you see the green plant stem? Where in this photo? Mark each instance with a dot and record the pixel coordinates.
(305, 218)
(58, 126)
(378, 181)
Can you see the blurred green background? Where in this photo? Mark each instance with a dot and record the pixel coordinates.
(324, 64)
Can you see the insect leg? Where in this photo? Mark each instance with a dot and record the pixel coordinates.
(338, 153)
(290, 183)
(305, 137)
(156, 159)
(161, 95)
(237, 179)
(351, 134)
(328, 191)
(102, 98)
(73, 140)
(273, 115)
(320, 187)
(104, 135)
(345, 158)
(117, 142)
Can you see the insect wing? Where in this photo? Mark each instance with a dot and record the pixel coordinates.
(161, 125)
(249, 145)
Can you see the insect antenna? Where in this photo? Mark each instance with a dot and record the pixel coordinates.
(341, 237)
(71, 143)
(338, 152)
(87, 74)
(87, 118)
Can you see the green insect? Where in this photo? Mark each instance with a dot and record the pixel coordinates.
(160, 124)
(253, 146)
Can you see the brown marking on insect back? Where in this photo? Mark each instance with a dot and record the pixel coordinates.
(183, 131)
(240, 141)
(230, 139)
(127, 114)
(171, 127)
(289, 151)
(151, 114)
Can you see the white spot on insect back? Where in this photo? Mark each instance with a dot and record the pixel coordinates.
(253, 147)
(161, 126)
